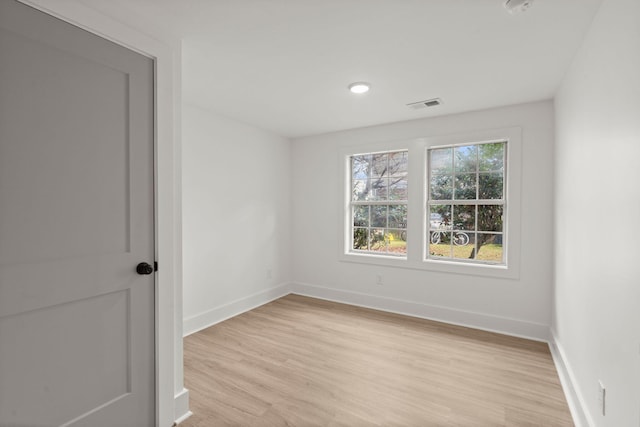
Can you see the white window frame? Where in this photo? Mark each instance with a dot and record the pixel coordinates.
(371, 203)
(467, 202)
(417, 240)
(346, 227)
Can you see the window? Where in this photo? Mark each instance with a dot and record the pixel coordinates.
(466, 202)
(378, 203)
(434, 203)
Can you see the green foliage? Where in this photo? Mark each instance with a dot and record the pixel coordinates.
(360, 238)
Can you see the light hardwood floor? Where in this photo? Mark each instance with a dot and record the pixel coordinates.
(300, 361)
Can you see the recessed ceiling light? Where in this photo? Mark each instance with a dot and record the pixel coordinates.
(359, 87)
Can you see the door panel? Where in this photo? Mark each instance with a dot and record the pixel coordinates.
(97, 140)
(76, 216)
(85, 366)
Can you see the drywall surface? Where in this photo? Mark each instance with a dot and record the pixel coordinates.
(520, 306)
(597, 208)
(236, 217)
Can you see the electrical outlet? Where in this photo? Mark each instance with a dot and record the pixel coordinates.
(379, 279)
(602, 396)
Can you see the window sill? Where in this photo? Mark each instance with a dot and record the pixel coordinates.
(439, 266)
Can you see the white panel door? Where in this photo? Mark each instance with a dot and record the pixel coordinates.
(76, 218)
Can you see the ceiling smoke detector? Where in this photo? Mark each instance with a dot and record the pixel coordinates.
(517, 6)
(425, 104)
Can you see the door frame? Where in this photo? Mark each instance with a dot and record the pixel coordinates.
(171, 397)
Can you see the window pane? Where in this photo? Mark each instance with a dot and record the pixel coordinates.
(379, 165)
(396, 241)
(376, 240)
(361, 216)
(379, 216)
(465, 186)
(360, 189)
(378, 189)
(360, 240)
(397, 216)
(440, 244)
(466, 158)
(490, 217)
(464, 217)
(441, 161)
(397, 188)
(490, 248)
(463, 245)
(439, 217)
(441, 187)
(491, 157)
(398, 163)
(360, 166)
(490, 185)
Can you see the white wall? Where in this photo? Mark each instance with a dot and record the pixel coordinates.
(519, 307)
(597, 209)
(236, 217)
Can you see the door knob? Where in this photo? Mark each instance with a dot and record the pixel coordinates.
(144, 268)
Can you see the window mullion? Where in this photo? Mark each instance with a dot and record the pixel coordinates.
(378, 202)
(467, 202)
(475, 229)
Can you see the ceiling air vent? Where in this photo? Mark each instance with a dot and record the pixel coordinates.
(424, 104)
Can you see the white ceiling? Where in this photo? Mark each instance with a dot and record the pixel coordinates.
(284, 65)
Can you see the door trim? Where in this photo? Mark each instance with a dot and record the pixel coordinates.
(166, 54)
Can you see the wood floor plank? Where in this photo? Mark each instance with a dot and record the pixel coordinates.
(299, 361)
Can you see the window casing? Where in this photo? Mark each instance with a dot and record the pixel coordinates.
(378, 203)
(418, 204)
(466, 203)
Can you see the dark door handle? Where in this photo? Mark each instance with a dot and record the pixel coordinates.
(144, 268)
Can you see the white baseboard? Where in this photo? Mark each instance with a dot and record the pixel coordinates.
(181, 406)
(233, 308)
(575, 400)
(502, 325)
